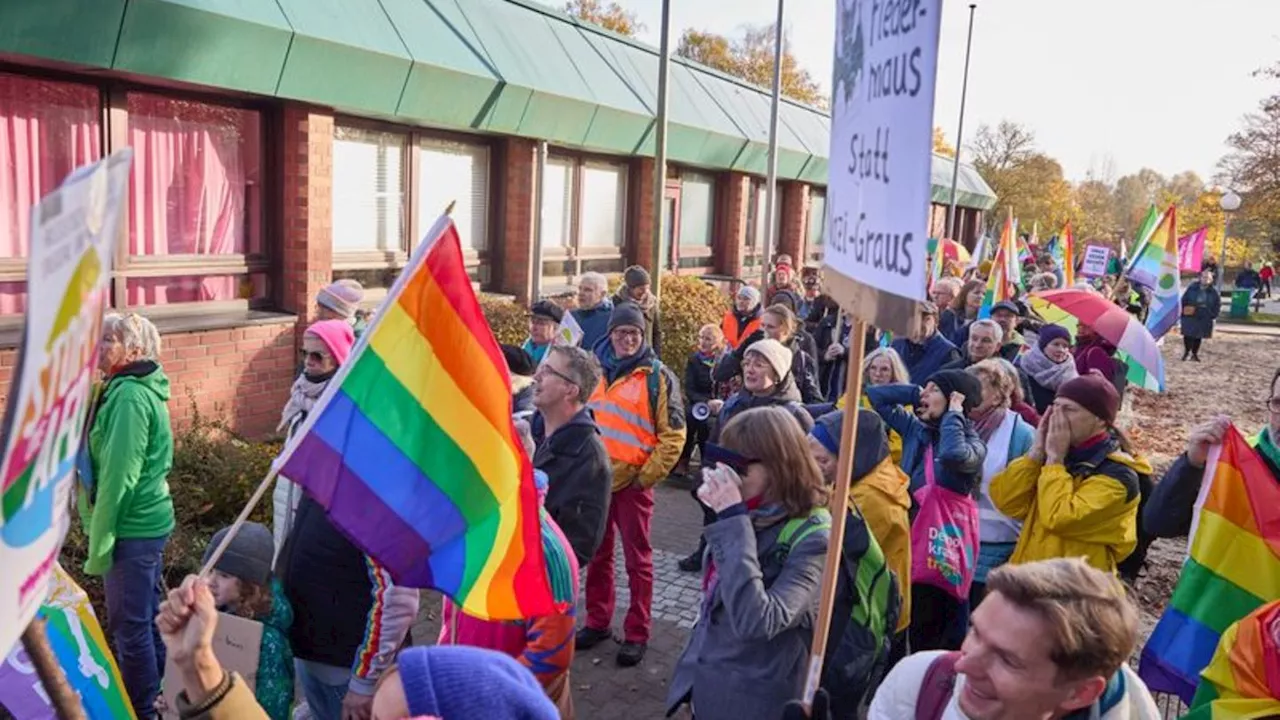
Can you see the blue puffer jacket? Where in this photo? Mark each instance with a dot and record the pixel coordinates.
(927, 358)
(958, 452)
(594, 323)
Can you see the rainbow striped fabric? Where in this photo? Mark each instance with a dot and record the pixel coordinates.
(1233, 567)
(1002, 281)
(413, 453)
(1243, 680)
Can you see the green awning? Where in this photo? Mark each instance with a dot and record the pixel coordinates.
(971, 190)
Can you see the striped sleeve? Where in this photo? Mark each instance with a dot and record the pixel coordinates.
(392, 613)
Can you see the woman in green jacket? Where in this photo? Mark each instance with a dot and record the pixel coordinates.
(124, 498)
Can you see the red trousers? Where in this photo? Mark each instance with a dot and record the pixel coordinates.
(630, 514)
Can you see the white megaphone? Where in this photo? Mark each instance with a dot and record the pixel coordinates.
(701, 411)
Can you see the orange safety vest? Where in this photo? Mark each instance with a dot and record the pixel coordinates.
(735, 335)
(625, 419)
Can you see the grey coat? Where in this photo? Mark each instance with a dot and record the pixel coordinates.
(748, 652)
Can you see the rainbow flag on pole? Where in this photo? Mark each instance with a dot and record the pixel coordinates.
(1232, 569)
(413, 453)
(1141, 239)
(1063, 250)
(1242, 681)
(1159, 259)
(1002, 282)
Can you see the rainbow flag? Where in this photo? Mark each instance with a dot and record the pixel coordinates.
(413, 453)
(1242, 681)
(1232, 569)
(1002, 282)
(1140, 240)
(1063, 250)
(1166, 298)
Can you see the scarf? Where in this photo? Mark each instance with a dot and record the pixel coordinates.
(762, 516)
(1045, 371)
(988, 422)
(303, 396)
(1267, 448)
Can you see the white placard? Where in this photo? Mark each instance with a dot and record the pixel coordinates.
(1096, 258)
(880, 183)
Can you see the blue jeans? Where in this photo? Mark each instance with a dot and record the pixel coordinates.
(324, 687)
(135, 586)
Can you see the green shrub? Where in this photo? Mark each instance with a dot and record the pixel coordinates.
(687, 304)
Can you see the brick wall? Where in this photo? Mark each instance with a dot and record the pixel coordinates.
(517, 183)
(732, 206)
(639, 249)
(307, 208)
(795, 214)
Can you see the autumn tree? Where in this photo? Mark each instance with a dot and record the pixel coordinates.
(750, 57)
(1252, 169)
(610, 16)
(1026, 181)
(940, 144)
(1094, 212)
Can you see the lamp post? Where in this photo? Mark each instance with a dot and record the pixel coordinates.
(1229, 202)
(964, 95)
(771, 187)
(660, 153)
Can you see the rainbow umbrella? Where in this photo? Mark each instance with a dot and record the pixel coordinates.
(1107, 319)
(952, 250)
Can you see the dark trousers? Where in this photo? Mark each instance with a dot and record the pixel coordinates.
(695, 437)
(1191, 346)
(938, 620)
(134, 588)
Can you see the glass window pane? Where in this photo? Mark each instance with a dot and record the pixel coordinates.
(196, 288)
(817, 219)
(196, 183)
(697, 193)
(47, 129)
(557, 203)
(604, 205)
(455, 172)
(368, 190)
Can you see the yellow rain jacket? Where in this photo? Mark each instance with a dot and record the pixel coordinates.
(884, 500)
(1086, 507)
(895, 440)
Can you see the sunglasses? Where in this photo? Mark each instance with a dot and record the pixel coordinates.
(315, 356)
(713, 454)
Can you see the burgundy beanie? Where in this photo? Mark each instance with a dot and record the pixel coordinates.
(1093, 392)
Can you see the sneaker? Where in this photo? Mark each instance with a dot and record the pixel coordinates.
(630, 654)
(692, 563)
(589, 637)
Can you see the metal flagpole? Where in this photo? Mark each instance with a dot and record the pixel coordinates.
(964, 96)
(771, 191)
(660, 153)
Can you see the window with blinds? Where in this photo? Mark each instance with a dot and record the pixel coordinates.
(604, 205)
(457, 172)
(697, 206)
(817, 222)
(368, 190)
(558, 203)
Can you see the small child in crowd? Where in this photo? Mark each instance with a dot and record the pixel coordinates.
(242, 584)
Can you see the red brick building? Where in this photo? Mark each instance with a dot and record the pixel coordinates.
(282, 145)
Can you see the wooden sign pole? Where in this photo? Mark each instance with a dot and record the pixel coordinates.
(839, 500)
(63, 698)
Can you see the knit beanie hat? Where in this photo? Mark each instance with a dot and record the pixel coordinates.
(965, 383)
(1049, 333)
(750, 292)
(775, 353)
(636, 276)
(249, 555)
(1093, 392)
(626, 314)
(336, 335)
(342, 297)
(456, 681)
(519, 361)
(547, 310)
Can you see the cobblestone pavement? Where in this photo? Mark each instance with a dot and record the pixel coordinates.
(601, 689)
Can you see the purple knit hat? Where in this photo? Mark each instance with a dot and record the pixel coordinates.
(456, 681)
(1049, 333)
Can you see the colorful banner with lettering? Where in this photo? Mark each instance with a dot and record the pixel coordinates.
(73, 239)
(1191, 250)
(77, 641)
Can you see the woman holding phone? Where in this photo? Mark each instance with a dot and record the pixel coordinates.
(747, 653)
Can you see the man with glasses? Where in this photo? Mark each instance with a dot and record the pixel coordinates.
(641, 417)
(1168, 511)
(569, 448)
(594, 309)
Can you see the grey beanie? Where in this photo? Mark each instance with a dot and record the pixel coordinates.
(627, 314)
(248, 557)
(636, 276)
(778, 356)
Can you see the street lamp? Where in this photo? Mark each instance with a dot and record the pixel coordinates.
(1229, 202)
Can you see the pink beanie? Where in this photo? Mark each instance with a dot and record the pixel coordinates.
(336, 335)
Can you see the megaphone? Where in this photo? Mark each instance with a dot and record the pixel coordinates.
(701, 411)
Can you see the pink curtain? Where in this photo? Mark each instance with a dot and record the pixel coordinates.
(195, 190)
(47, 129)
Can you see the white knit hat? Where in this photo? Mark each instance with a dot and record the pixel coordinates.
(775, 353)
(342, 297)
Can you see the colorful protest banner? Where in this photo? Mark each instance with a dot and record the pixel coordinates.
(77, 641)
(237, 644)
(73, 240)
(880, 185)
(1096, 258)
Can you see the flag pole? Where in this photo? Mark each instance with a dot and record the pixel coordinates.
(837, 504)
(239, 523)
(63, 698)
(964, 96)
(771, 189)
(660, 154)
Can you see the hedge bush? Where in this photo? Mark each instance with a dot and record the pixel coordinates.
(509, 321)
(687, 303)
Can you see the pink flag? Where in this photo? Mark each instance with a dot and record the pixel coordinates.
(1191, 250)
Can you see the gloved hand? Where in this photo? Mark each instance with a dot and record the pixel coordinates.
(821, 708)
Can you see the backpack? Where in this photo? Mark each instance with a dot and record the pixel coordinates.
(937, 686)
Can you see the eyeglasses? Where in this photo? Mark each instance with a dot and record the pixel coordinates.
(546, 368)
(631, 333)
(713, 454)
(315, 356)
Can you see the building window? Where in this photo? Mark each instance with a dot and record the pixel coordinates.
(368, 195)
(584, 212)
(696, 205)
(195, 221)
(456, 172)
(758, 211)
(47, 129)
(817, 222)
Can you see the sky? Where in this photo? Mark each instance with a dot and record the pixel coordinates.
(1107, 86)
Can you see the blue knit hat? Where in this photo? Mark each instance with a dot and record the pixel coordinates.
(455, 681)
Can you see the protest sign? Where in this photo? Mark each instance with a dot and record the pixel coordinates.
(236, 644)
(881, 159)
(73, 239)
(81, 650)
(1096, 258)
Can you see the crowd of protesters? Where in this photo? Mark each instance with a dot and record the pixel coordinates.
(995, 513)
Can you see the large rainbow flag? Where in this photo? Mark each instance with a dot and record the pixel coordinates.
(413, 453)
(1002, 281)
(1232, 569)
(1243, 680)
(1159, 257)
